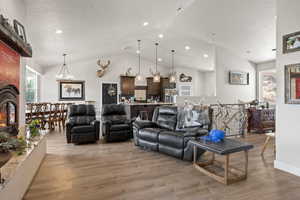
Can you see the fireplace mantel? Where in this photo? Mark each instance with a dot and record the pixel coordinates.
(11, 39)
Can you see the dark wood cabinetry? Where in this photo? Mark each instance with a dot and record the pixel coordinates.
(153, 88)
(127, 85)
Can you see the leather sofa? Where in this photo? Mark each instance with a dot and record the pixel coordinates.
(116, 125)
(81, 125)
(163, 134)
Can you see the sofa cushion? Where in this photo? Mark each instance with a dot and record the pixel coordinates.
(81, 110)
(83, 137)
(148, 145)
(81, 120)
(121, 135)
(172, 139)
(166, 117)
(150, 134)
(119, 127)
(113, 109)
(83, 129)
(171, 151)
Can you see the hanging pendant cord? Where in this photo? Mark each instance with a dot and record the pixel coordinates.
(156, 57)
(139, 49)
(173, 51)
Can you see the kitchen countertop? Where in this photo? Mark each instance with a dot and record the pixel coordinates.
(145, 104)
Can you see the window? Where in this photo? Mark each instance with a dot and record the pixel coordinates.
(32, 78)
(267, 86)
(185, 90)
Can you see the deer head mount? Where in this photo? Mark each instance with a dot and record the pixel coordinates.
(103, 68)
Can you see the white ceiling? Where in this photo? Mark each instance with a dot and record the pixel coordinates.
(99, 28)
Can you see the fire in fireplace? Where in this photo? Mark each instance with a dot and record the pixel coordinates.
(9, 108)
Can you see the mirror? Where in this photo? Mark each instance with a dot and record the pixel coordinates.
(292, 84)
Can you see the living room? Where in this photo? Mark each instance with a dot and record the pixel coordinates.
(139, 99)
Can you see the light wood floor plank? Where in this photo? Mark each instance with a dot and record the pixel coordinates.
(121, 171)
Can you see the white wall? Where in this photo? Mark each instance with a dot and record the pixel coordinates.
(287, 115)
(197, 81)
(86, 70)
(266, 65)
(210, 82)
(226, 93)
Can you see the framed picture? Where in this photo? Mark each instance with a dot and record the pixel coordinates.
(292, 84)
(291, 42)
(71, 90)
(20, 30)
(238, 78)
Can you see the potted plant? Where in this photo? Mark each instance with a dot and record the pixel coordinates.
(9, 144)
(34, 128)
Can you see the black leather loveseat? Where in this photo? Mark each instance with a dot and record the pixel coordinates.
(163, 133)
(82, 126)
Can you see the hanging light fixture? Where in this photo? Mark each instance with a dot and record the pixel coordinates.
(156, 76)
(139, 76)
(173, 73)
(64, 73)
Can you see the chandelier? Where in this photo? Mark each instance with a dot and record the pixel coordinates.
(64, 73)
(173, 73)
(156, 76)
(139, 76)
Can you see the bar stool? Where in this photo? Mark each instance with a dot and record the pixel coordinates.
(144, 115)
(267, 141)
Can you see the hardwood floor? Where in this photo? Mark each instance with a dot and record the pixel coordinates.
(121, 171)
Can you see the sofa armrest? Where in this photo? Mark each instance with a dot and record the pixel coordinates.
(144, 124)
(194, 132)
(69, 126)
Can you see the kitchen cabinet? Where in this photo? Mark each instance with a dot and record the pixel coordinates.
(127, 85)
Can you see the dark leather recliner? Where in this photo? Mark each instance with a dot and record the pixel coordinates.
(116, 125)
(82, 126)
(162, 134)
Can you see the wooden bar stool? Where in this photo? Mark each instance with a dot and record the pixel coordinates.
(267, 141)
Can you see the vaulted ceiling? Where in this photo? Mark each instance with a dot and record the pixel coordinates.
(99, 28)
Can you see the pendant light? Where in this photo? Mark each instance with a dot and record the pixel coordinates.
(156, 77)
(139, 76)
(64, 73)
(173, 73)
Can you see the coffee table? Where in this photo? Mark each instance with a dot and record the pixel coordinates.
(224, 148)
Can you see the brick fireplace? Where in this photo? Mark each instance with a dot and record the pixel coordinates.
(9, 108)
(9, 89)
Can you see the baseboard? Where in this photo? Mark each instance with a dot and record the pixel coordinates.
(287, 167)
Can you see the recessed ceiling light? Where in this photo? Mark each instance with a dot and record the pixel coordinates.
(160, 35)
(205, 56)
(187, 47)
(58, 31)
(145, 23)
(159, 59)
(138, 51)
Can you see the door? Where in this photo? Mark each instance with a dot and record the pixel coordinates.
(109, 93)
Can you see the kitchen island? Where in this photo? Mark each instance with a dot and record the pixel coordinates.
(135, 109)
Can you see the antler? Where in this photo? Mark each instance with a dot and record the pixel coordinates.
(103, 66)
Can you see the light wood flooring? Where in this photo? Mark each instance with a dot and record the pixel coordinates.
(121, 171)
